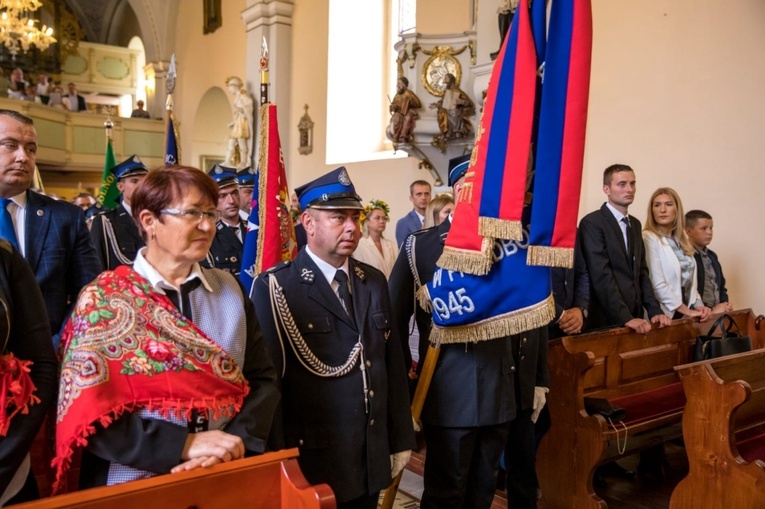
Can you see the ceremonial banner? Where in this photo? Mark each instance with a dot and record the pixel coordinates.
(273, 229)
(495, 184)
(561, 136)
(172, 150)
(108, 194)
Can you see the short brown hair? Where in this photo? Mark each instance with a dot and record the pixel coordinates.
(418, 183)
(608, 173)
(18, 117)
(692, 217)
(163, 186)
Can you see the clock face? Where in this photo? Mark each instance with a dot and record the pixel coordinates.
(436, 68)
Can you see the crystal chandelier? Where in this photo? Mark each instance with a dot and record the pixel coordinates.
(17, 27)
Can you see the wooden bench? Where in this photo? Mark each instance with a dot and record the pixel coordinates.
(633, 371)
(272, 480)
(724, 432)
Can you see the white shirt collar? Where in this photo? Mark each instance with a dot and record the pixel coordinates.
(326, 269)
(20, 200)
(142, 266)
(128, 208)
(617, 214)
(422, 218)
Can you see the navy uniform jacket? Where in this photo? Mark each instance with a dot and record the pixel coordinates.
(129, 241)
(59, 251)
(340, 443)
(619, 287)
(226, 249)
(473, 384)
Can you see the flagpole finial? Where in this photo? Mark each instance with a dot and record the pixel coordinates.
(170, 82)
(108, 124)
(264, 72)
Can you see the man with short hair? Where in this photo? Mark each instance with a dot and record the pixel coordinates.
(51, 234)
(419, 195)
(114, 232)
(84, 201)
(711, 282)
(139, 112)
(327, 320)
(246, 179)
(228, 244)
(612, 245)
(76, 101)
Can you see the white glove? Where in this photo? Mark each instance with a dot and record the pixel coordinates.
(540, 398)
(416, 426)
(398, 461)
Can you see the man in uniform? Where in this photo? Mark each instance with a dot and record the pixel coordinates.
(477, 389)
(246, 179)
(114, 233)
(226, 250)
(343, 382)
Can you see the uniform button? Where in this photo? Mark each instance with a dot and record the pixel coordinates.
(371, 394)
(372, 422)
(523, 357)
(512, 368)
(369, 364)
(310, 326)
(524, 340)
(300, 442)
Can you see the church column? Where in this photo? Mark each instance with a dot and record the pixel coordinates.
(272, 19)
(156, 94)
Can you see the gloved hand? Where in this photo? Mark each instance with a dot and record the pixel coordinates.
(415, 424)
(398, 461)
(540, 398)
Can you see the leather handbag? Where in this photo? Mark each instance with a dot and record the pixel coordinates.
(722, 339)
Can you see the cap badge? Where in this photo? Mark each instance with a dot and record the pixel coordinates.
(343, 178)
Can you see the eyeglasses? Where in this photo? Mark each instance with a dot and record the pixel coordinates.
(193, 215)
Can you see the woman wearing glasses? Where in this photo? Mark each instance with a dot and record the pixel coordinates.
(164, 365)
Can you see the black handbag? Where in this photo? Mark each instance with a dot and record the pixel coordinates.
(604, 407)
(725, 341)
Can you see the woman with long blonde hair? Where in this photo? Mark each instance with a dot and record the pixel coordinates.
(374, 249)
(669, 254)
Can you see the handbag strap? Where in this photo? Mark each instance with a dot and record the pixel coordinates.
(729, 330)
(719, 324)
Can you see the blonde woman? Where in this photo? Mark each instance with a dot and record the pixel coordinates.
(375, 249)
(669, 254)
(438, 210)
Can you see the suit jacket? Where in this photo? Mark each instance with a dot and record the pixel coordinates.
(408, 224)
(326, 417)
(129, 241)
(664, 269)
(473, 384)
(24, 323)
(226, 249)
(571, 288)
(718, 272)
(619, 287)
(58, 248)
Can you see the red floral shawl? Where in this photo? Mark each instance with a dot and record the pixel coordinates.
(127, 347)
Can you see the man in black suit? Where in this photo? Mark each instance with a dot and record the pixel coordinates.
(114, 233)
(51, 234)
(611, 241)
(228, 244)
(477, 388)
(327, 321)
(76, 101)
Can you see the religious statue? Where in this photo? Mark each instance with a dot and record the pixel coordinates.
(403, 109)
(505, 13)
(240, 129)
(454, 109)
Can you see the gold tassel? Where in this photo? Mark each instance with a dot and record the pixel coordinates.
(423, 299)
(500, 228)
(514, 322)
(548, 256)
(477, 263)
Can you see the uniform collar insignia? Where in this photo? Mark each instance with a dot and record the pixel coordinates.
(307, 275)
(359, 273)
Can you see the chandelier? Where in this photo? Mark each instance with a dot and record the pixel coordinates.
(17, 27)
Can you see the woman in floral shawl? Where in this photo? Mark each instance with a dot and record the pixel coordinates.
(373, 248)
(164, 367)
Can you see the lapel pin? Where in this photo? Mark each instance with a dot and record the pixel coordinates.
(40, 213)
(359, 273)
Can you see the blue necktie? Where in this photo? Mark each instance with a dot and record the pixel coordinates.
(6, 224)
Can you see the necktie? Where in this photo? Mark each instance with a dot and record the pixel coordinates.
(630, 249)
(7, 231)
(343, 291)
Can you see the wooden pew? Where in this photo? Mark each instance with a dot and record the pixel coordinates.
(724, 431)
(272, 480)
(633, 371)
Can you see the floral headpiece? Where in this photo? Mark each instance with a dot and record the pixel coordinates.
(374, 204)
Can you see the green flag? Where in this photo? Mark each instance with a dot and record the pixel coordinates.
(109, 193)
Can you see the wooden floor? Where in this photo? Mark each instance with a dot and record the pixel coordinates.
(641, 492)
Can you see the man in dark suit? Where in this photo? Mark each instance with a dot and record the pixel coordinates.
(611, 241)
(474, 393)
(228, 244)
(76, 101)
(419, 195)
(114, 233)
(343, 382)
(51, 234)
(571, 291)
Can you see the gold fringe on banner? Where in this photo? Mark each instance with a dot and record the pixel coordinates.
(470, 262)
(514, 322)
(262, 183)
(548, 256)
(500, 228)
